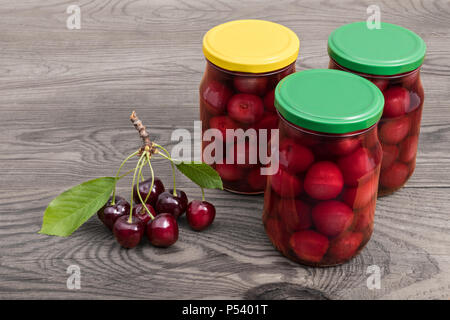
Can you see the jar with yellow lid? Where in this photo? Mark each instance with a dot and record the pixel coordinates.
(245, 61)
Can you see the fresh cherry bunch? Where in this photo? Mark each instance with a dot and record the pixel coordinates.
(152, 211)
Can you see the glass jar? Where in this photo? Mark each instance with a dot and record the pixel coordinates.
(320, 204)
(391, 58)
(245, 61)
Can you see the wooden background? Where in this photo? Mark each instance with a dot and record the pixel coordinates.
(65, 99)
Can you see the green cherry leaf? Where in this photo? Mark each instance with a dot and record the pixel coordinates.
(201, 174)
(68, 211)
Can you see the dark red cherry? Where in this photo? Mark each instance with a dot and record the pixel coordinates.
(360, 196)
(286, 184)
(396, 102)
(109, 213)
(252, 85)
(392, 131)
(294, 157)
(269, 101)
(395, 176)
(142, 214)
(144, 189)
(163, 230)
(410, 81)
(216, 96)
(345, 247)
(309, 245)
(128, 233)
(380, 83)
(331, 218)
(229, 172)
(173, 204)
(323, 181)
(245, 108)
(343, 146)
(223, 123)
(268, 121)
(356, 166)
(294, 214)
(200, 214)
(390, 154)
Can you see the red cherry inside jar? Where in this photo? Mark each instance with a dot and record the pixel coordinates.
(320, 203)
(245, 61)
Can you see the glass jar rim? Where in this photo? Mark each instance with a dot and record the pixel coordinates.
(378, 76)
(249, 74)
(327, 134)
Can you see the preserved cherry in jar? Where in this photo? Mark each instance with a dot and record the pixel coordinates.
(319, 206)
(245, 61)
(391, 58)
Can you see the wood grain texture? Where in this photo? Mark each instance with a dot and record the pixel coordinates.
(65, 98)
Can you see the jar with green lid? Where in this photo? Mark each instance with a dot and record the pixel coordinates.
(319, 206)
(391, 58)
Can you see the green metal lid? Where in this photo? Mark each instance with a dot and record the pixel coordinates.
(329, 101)
(386, 51)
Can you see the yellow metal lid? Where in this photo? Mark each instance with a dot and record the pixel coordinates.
(253, 46)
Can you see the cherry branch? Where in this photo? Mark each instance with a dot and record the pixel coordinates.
(137, 123)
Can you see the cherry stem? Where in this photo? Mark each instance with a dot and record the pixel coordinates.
(137, 123)
(153, 176)
(113, 202)
(167, 156)
(141, 165)
(203, 194)
(125, 174)
(132, 187)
